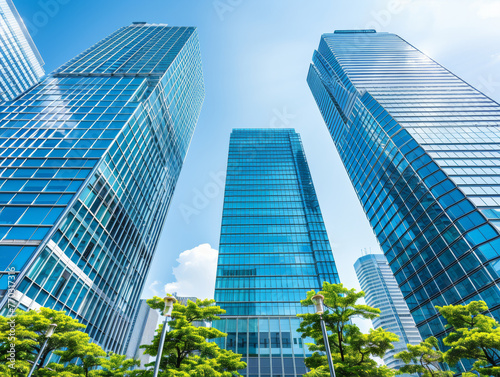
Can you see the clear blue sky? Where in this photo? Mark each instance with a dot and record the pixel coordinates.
(256, 55)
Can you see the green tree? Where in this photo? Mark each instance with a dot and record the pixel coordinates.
(16, 347)
(352, 351)
(30, 328)
(60, 370)
(186, 351)
(80, 348)
(111, 365)
(423, 358)
(18, 369)
(475, 336)
(118, 366)
(79, 357)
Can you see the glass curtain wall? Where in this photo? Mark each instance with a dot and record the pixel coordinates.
(273, 249)
(421, 148)
(89, 161)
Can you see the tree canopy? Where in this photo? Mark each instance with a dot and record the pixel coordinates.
(475, 336)
(352, 350)
(423, 358)
(69, 342)
(89, 354)
(188, 349)
(30, 329)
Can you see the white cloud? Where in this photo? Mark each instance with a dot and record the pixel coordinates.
(195, 274)
(153, 287)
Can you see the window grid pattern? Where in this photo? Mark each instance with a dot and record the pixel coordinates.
(141, 50)
(127, 136)
(51, 139)
(382, 292)
(442, 247)
(273, 249)
(20, 62)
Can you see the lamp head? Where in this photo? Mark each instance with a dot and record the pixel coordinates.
(318, 303)
(51, 330)
(169, 305)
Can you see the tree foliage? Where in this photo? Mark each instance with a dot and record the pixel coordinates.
(89, 354)
(112, 365)
(423, 358)
(475, 336)
(78, 357)
(28, 336)
(118, 366)
(352, 351)
(60, 370)
(186, 351)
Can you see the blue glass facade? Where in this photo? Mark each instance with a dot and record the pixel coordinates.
(89, 160)
(421, 148)
(20, 62)
(273, 249)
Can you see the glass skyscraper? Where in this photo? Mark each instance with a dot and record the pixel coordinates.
(20, 62)
(422, 149)
(382, 292)
(273, 249)
(89, 159)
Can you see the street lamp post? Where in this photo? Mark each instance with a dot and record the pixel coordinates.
(318, 302)
(167, 312)
(48, 335)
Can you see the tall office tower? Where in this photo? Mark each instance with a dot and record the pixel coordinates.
(382, 292)
(273, 249)
(89, 161)
(20, 62)
(422, 149)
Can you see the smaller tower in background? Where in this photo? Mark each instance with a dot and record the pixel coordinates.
(20, 62)
(382, 292)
